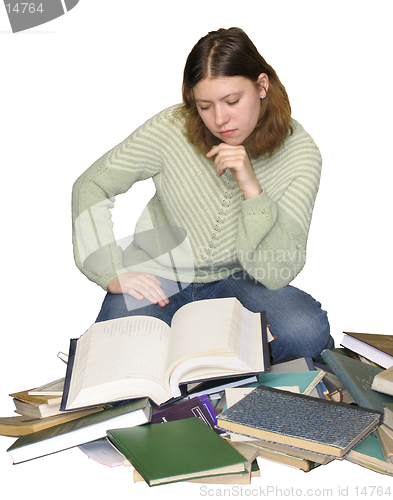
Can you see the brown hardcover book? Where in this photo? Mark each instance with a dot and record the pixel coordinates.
(23, 425)
(36, 399)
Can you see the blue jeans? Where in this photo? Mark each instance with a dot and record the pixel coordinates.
(301, 326)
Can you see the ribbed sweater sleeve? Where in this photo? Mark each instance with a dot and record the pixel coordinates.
(96, 252)
(273, 229)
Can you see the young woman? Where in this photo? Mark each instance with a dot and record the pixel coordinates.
(236, 178)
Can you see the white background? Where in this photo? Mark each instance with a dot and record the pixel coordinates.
(73, 88)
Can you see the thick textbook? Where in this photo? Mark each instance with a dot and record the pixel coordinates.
(177, 451)
(22, 425)
(373, 346)
(385, 437)
(141, 356)
(35, 409)
(301, 421)
(388, 415)
(357, 377)
(80, 431)
(383, 381)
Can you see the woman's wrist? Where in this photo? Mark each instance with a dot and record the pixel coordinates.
(252, 191)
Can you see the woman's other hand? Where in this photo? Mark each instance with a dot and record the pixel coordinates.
(139, 286)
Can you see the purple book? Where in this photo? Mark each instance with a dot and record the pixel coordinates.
(200, 407)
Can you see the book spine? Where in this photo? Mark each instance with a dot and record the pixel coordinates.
(384, 448)
(382, 385)
(67, 381)
(311, 367)
(265, 350)
(345, 378)
(334, 392)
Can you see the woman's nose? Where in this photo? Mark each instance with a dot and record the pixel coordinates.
(221, 117)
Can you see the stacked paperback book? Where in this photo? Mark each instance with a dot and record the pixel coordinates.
(200, 401)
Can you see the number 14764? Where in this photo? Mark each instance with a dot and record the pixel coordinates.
(25, 8)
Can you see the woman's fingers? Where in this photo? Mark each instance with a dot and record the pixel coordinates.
(235, 158)
(139, 286)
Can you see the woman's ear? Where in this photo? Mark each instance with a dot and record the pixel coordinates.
(263, 83)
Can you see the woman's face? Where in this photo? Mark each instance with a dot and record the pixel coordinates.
(230, 106)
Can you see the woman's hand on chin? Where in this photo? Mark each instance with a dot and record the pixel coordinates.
(236, 159)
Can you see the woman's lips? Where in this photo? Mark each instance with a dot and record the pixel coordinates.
(227, 133)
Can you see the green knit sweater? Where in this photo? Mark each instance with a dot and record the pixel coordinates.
(198, 227)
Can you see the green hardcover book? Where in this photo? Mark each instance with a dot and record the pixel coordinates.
(357, 377)
(80, 431)
(177, 451)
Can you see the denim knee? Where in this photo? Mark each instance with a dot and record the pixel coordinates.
(308, 335)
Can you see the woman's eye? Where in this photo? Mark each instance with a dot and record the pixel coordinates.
(231, 103)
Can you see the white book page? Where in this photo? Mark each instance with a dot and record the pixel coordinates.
(250, 341)
(205, 327)
(124, 348)
(203, 372)
(205, 367)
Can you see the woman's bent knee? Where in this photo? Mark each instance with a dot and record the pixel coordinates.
(307, 336)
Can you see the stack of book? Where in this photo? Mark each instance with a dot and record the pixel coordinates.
(39, 409)
(371, 386)
(199, 401)
(131, 374)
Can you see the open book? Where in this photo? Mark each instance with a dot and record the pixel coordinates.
(141, 356)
